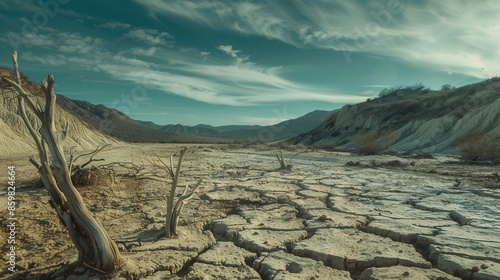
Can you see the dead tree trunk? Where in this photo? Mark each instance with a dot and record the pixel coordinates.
(281, 160)
(96, 249)
(173, 213)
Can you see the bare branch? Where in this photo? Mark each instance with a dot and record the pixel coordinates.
(16, 68)
(180, 204)
(170, 202)
(71, 158)
(172, 175)
(35, 163)
(23, 97)
(168, 168)
(22, 94)
(91, 159)
(48, 87)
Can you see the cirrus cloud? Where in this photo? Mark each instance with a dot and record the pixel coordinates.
(452, 36)
(150, 36)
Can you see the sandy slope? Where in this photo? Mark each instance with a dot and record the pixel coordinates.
(15, 138)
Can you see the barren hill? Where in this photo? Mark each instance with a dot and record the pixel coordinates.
(419, 120)
(15, 138)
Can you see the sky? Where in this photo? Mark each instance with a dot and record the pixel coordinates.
(223, 62)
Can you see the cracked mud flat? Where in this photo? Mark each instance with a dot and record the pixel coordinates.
(436, 219)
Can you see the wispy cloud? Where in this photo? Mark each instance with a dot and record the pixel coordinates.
(20, 5)
(115, 25)
(456, 36)
(75, 43)
(150, 36)
(144, 51)
(233, 53)
(234, 81)
(79, 17)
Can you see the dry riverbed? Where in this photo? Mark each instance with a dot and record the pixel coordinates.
(333, 216)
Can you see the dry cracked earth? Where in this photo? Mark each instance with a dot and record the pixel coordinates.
(333, 216)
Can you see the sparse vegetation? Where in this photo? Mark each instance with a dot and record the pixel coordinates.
(446, 87)
(395, 89)
(387, 91)
(480, 147)
(371, 144)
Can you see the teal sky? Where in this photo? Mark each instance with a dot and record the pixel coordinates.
(247, 62)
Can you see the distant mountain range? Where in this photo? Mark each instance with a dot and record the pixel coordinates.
(119, 125)
(200, 128)
(419, 119)
(250, 133)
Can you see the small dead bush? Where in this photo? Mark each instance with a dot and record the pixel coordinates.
(90, 177)
(480, 147)
(371, 144)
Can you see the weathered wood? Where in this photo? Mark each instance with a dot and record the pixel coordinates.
(173, 187)
(173, 212)
(96, 249)
(180, 204)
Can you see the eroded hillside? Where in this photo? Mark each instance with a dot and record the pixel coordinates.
(420, 120)
(16, 138)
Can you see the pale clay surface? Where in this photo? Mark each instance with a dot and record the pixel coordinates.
(249, 220)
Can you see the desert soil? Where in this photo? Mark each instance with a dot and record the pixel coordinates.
(378, 217)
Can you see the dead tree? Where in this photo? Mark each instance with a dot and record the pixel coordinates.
(173, 212)
(281, 160)
(96, 250)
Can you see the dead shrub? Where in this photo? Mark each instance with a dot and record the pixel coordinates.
(90, 177)
(371, 144)
(480, 147)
